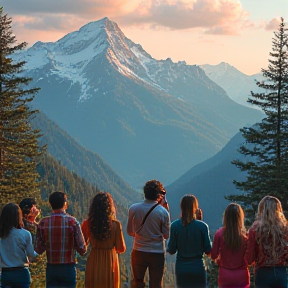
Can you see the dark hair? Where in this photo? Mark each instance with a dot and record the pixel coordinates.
(152, 189)
(101, 212)
(26, 204)
(234, 230)
(188, 205)
(11, 217)
(57, 200)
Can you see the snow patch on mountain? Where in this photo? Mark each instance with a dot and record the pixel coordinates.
(237, 84)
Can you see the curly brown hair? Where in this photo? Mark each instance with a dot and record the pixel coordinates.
(101, 213)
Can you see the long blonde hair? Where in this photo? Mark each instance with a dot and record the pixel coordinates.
(271, 222)
(234, 229)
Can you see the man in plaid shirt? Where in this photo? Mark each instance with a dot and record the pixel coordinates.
(60, 236)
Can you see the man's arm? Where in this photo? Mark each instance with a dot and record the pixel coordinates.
(79, 242)
(130, 228)
(40, 245)
(166, 225)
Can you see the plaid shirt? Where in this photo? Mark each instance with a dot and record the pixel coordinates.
(60, 235)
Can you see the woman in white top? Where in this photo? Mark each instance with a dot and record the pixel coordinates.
(15, 248)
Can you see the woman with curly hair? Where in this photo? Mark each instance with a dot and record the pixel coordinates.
(229, 247)
(267, 244)
(104, 233)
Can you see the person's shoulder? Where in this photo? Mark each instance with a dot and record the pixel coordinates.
(44, 220)
(116, 223)
(254, 226)
(23, 232)
(162, 209)
(136, 205)
(201, 224)
(71, 219)
(176, 223)
(220, 231)
(85, 222)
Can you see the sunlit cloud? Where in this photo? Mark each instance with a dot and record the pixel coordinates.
(273, 24)
(215, 16)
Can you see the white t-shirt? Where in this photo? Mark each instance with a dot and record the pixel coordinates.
(152, 236)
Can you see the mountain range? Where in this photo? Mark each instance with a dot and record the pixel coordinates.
(210, 181)
(237, 84)
(146, 118)
(86, 164)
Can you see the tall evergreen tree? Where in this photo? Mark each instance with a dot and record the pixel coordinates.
(19, 147)
(266, 145)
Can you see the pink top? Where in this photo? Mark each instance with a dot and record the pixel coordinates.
(225, 257)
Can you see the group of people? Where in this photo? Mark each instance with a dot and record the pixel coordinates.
(60, 235)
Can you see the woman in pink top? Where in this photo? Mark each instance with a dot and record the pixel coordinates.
(228, 249)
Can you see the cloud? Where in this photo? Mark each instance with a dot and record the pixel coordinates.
(76, 7)
(219, 16)
(214, 16)
(273, 24)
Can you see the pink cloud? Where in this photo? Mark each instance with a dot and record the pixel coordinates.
(215, 16)
(273, 24)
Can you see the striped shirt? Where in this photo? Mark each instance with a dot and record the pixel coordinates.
(60, 236)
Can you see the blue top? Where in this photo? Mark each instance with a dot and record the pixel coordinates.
(16, 248)
(189, 242)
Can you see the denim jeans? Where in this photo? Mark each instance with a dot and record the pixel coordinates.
(60, 276)
(140, 261)
(19, 278)
(271, 277)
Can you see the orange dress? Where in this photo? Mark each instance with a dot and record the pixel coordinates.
(102, 267)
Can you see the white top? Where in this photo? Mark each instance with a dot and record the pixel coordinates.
(16, 248)
(151, 238)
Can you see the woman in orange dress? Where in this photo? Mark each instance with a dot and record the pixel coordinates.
(104, 233)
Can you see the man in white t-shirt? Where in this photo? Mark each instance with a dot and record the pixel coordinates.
(149, 224)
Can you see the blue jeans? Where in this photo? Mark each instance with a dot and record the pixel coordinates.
(19, 278)
(271, 277)
(60, 276)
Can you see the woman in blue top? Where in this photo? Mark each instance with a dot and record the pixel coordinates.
(15, 248)
(190, 238)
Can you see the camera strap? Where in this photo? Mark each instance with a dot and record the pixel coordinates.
(147, 214)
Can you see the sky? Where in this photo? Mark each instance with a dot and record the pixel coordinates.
(238, 32)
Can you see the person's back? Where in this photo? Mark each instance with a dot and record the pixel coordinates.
(195, 232)
(189, 238)
(229, 248)
(15, 248)
(60, 236)
(151, 237)
(149, 224)
(104, 233)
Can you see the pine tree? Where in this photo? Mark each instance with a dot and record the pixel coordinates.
(266, 145)
(19, 147)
